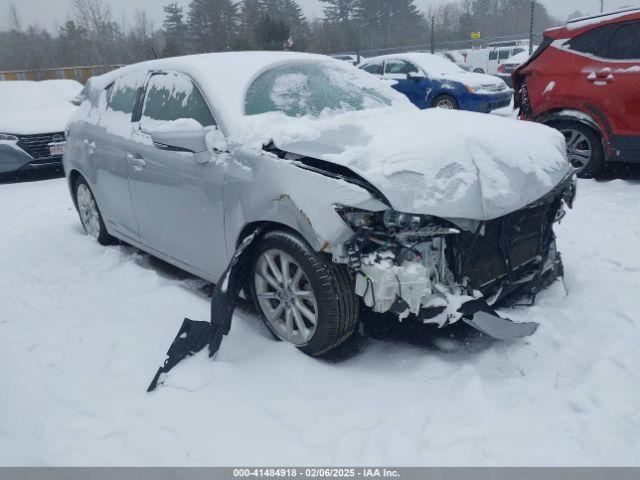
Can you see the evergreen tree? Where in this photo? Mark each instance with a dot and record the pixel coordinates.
(272, 33)
(175, 30)
(251, 13)
(289, 12)
(339, 11)
(212, 25)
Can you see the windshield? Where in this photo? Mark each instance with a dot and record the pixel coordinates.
(300, 89)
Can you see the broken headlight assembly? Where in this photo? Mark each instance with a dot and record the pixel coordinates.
(394, 225)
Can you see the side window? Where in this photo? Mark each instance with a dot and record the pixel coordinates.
(375, 68)
(594, 42)
(493, 55)
(504, 54)
(172, 97)
(122, 95)
(518, 50)
(399, 67)
(625, 42)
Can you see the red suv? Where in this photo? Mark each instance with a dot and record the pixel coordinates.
(584, 80)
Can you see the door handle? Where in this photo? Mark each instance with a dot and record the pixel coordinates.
(601, 77)
(136, 161)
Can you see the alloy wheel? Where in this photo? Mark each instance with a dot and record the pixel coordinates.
(285, 297)
(446, 104)
(88, 211)
(579, 149)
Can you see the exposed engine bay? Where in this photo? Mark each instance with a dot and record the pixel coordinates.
(429, 267)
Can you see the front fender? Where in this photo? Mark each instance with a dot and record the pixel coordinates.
(262, 188)
(455, 89)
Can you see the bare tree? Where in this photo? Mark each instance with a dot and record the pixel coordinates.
(91, 15)
(15, 22)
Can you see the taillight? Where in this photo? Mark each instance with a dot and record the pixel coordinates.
(502, 69)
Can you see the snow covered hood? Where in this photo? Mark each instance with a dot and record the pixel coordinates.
(32, 107)
(435, 162)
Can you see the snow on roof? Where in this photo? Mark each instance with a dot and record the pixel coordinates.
(223, 77)
(581, 22)
(431, 64)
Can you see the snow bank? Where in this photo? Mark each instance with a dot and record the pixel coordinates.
(83, 328)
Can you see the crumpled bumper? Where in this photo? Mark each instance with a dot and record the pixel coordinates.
(481, 316)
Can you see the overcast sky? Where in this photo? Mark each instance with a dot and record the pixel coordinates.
(52, 13)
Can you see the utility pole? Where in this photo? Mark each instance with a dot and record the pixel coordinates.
(601, 6)
(433, 23)
(533, 11)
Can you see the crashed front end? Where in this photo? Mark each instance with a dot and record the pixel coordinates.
(445, 270)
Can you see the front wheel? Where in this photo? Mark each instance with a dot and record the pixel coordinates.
(302, 297)
(584, 147)
(90, 213)
(446, 102)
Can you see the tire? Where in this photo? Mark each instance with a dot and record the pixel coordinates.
(332, 287)
(446, 102)
(580, 140)
(89, 213)
(478, 70)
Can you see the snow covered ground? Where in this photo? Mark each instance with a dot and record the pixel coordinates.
(83, 329)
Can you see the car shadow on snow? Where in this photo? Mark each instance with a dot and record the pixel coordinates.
(457, 340)
(31, 175)
(621, 172)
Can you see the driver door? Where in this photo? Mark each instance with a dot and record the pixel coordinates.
(178, 194)
(409, 80)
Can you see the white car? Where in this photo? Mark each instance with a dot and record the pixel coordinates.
(33, 116)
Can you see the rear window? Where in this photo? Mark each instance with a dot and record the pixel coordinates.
(594, 42)
(625, 42)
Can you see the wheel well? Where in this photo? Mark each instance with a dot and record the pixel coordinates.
(578, 117)
(74, 175)
(266, 227)
(448, 95)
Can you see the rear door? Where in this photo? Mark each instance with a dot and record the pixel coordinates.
(608, 74)
(623, 87)
(106, 150)
(408, 79)
(178, 195)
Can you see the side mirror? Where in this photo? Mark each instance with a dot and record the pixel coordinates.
(415, 76)
(192, 141)
(215, 140)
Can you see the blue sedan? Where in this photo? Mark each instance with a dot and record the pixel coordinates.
(430, 81)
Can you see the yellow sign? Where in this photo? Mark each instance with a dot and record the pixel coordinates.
(475, 35)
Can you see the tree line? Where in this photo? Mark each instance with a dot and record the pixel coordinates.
(92, 36)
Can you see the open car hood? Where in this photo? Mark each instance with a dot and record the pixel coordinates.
(447, 164)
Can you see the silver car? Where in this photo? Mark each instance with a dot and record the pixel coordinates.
(364, 199)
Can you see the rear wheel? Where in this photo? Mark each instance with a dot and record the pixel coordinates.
(446, 102)
(90, 213)
(478, 70)
(302, 297)
(584, 147)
